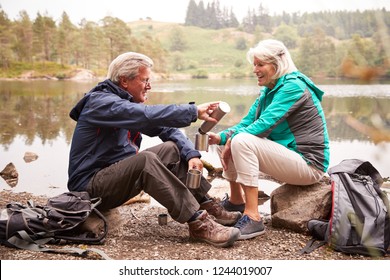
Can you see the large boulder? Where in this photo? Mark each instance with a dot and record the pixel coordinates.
(293, 206)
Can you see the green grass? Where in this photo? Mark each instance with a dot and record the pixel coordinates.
(210, 51)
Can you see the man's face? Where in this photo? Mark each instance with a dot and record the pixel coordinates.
(138, 86)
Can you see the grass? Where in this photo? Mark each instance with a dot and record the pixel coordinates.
(207, 50)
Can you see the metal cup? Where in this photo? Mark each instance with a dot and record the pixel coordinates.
(162, 219)
(193, 178)
(222, 109)
(202, 142)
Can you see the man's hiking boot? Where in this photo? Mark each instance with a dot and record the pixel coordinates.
(249, 228)
(214, 208)
(232, 207)
(204, 228)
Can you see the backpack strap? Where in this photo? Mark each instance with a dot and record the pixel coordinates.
(312, 245)
(23, 241)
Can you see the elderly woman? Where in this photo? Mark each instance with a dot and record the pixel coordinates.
(283, 135)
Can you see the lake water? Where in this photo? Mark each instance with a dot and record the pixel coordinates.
(34, 118)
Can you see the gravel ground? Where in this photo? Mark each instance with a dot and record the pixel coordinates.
(140, 237)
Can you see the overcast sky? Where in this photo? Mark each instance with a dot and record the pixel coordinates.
(170, 10)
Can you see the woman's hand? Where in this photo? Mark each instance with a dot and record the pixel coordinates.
(195, 163)
(214, 139)
(205, 109)
(226, 155)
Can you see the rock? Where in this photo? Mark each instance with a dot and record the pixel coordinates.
(83, 74)
(142, 197)
(10, 174)
(293, 206)
(95, 224)
(30, 156)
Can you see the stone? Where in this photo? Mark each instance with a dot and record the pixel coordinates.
(10, 174)
(142, 197)
(293, 206)
(29, 157)
(95, 224)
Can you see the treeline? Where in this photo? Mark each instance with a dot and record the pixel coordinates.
(212, 16)
(339, 24)
(89, 45)
(321, 43)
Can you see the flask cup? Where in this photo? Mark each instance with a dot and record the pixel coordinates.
(193, 178)
(162, 219)
(202, 142)
(217, 114)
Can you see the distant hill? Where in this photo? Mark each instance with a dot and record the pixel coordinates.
(205, 51)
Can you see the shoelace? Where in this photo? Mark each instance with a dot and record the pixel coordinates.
(242, 222)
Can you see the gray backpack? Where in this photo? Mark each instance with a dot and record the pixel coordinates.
(359, 221)
(59, 221)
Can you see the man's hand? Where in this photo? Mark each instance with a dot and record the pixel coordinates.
(205, 109)
(195, 163)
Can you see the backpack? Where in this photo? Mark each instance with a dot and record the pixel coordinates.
(359, 220)
(60, 221)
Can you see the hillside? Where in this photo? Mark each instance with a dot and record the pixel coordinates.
(205, 51)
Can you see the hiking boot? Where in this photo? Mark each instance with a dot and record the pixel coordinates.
(222, 216)
(249, 228)
(232, 207)
(204, 228)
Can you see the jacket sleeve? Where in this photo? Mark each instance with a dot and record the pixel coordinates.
(246, 121)
(286, 99)
(108, 110)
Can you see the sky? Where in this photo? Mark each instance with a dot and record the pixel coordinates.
(170, 10)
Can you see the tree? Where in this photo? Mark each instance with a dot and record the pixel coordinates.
(177, 40)
(117, 34)
(316, 55)
(287, 34)
(91, 52)
(66, 39)
(192, 13)
(23, 46)
(44, 29)
(5, 40)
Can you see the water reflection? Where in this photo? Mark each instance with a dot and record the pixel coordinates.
(34, 117)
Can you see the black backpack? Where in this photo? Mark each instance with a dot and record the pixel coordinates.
(32, 226)
(360, 220)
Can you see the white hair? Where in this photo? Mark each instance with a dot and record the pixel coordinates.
(274, 52)
(127, 65)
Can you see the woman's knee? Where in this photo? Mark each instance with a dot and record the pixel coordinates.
(240, 141)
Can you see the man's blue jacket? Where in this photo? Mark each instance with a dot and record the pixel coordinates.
(110, 126)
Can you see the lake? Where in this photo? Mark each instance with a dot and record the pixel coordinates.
(34, 118)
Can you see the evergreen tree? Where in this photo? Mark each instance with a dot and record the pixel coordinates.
(23, 47)
(192, 13)
(5, 40)
(44, 29)
(66, 38)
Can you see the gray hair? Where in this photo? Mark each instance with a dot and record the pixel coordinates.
(127, 65)
(274, 52)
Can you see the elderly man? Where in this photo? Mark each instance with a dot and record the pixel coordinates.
(106, 162)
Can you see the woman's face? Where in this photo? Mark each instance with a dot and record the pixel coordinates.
(264, 73)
